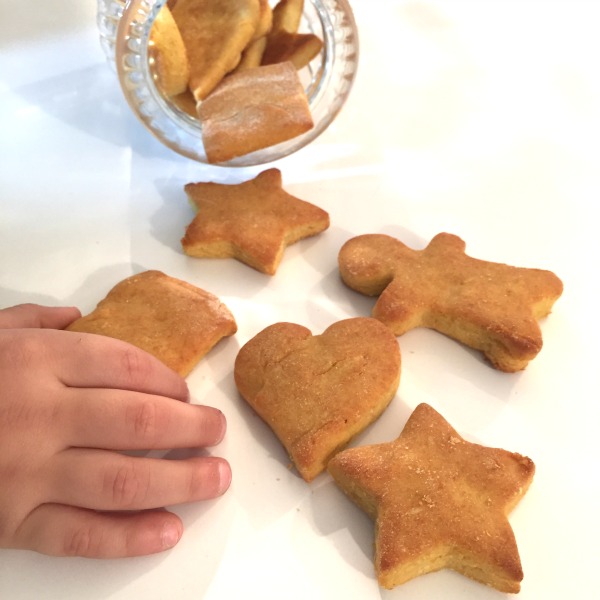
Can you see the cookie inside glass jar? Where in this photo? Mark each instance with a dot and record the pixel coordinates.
(283, 69)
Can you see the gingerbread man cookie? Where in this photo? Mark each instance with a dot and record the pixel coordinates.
(489, 306)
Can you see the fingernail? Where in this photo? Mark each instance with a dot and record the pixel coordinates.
(224, 476)
(170, 535)
(223, 427)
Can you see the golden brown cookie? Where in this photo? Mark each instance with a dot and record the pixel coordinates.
(253, 221)
(167, 51)
(171, 319)
(253, 52)
(284, 42)
(215, 33)
(438, 502)
(489, 306)
(297, 48)
(316, 392)
(186, 103)
(252, 55)
(287, 15)
(265, 19)
(252, 109)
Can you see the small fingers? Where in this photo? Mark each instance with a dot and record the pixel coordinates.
(60, 530)
(103, 480)
(118, 420)
(37, 316)
(96, 361)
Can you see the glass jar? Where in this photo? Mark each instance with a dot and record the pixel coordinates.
(125, 25)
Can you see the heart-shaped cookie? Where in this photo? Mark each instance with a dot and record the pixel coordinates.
(318, 391)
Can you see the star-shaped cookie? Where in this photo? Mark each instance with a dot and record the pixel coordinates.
(438, 502)
(316, 392)
(253, 221)
(489, 306)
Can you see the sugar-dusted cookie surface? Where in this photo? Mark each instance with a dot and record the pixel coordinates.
(252, 109)
(438, 501)
(489, 306)
(168, 318)
(318, 391)
(253, 221)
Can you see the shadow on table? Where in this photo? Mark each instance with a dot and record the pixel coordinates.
(91, 101)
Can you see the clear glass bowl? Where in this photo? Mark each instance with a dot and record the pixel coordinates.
(125, 25)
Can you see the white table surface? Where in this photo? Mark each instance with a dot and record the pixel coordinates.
(477, 118)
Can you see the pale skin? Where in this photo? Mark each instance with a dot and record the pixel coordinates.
(69, 402)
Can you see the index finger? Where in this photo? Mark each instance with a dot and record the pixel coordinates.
(37, 316)
(86, 360)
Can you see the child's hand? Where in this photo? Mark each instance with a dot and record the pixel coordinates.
(68, 403)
